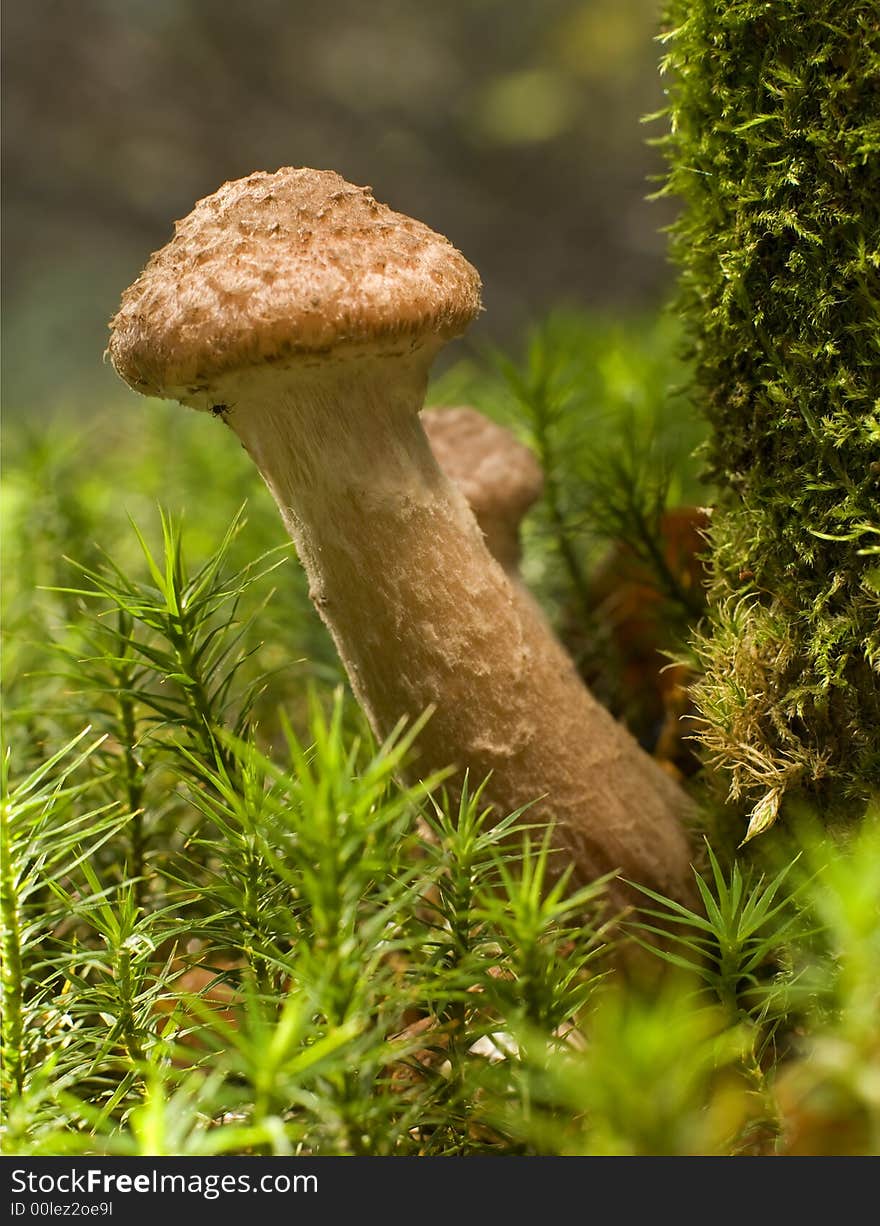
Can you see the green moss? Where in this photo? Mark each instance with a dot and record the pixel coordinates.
(773, 147)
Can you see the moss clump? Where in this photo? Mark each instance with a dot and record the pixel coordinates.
(773, 146)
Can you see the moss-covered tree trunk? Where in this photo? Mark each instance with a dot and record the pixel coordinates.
(775, 149)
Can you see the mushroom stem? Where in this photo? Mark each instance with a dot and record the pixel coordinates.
(423, 616)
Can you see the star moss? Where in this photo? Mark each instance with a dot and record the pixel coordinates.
(773, 147)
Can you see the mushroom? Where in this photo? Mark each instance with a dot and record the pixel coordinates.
(306, 315)
(498, 475)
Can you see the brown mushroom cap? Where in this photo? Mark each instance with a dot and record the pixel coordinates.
(496, 473)
(276, 265)
(499, 476)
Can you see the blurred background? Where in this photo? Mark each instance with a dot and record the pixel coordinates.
(511, 126)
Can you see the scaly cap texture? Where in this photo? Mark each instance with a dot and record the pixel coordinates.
(276, 265)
